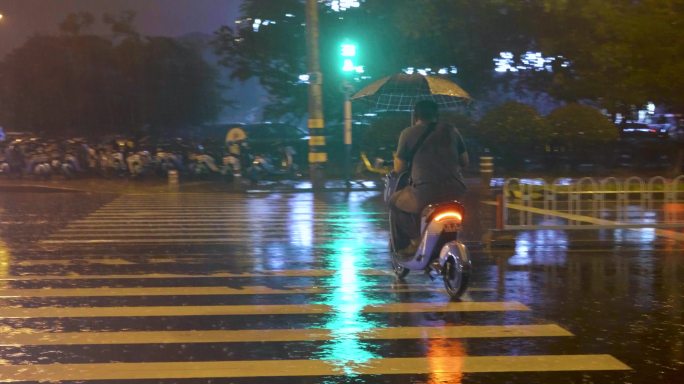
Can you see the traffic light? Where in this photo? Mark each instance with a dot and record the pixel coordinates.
(348, 52)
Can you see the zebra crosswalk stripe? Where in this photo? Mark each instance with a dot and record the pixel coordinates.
(271, 309)
(170, 219)
(196, 291)
(176, 219)
(279, 368)
(281, 335)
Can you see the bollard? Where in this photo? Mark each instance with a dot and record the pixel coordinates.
(486, 171)
(486, 166)
(173, 177)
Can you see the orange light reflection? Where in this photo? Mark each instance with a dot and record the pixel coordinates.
(445, 358)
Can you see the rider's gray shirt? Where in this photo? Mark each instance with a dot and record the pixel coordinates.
(438, 159)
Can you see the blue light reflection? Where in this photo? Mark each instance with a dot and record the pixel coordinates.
(528, 243)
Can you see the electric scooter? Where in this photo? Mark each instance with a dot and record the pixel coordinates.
(440, 252)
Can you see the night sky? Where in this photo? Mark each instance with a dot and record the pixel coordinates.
(22, 18)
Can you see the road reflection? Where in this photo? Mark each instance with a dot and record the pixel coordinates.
(348, 254)
(445, 358)
(5, 261)
(527, 244)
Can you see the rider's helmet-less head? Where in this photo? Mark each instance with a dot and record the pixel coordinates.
(426, 110)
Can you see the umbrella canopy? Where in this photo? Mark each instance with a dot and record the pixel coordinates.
(401, 91)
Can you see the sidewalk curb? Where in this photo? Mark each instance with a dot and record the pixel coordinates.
(39, 188)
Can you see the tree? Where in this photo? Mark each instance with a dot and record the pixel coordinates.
(82, 84)
(514, 132)
(580, 124)
(275, 53)
(583, 133)
(392, 35)
(622, 53)
(75, 23)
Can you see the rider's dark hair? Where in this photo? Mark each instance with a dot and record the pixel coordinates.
(425, 110)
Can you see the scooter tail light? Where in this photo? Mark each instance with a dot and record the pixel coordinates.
(449, 215)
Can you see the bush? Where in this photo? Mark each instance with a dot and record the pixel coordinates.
(513, 131)
(584, 134)
(577, 124)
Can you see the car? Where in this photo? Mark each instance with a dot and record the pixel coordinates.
(632, 130)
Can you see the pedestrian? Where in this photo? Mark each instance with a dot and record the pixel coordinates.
(434, 153)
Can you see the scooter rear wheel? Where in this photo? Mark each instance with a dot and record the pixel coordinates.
(455, 279)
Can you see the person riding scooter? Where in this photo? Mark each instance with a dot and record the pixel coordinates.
(434, 153)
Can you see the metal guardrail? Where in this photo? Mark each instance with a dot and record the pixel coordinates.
(592, 203)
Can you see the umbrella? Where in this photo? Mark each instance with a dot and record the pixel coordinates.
(401, 91)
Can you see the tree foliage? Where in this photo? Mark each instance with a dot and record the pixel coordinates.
(391, 34)
(276, 54)
(513, 131)
(83, 84)
(580, 124)
(621, 53)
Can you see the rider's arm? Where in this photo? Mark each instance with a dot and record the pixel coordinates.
(463, 158)
(400, 164)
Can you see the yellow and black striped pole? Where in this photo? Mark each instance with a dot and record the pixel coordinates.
(317, 155)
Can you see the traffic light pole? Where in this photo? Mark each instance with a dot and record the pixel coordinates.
(349, 68)
(317, 155)
(347, 89)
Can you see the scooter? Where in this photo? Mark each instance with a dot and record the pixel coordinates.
(440, 252)
(278, 166)
(201, 164)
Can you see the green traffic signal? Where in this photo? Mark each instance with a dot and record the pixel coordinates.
(348, 52)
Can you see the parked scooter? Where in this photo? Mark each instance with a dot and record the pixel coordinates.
(111, 162)
(13, 160)
(165, 161)
(38, 163)
(280, 166)
(139, 163)
(59, 165)
(201, 164)
(5, 168)
(440, 252)
(236, 159)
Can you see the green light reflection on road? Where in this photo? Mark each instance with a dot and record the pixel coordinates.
(348, 298)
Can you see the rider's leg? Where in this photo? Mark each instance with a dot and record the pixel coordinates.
(406, 208)
(408, 231)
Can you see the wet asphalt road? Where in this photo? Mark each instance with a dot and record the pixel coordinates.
(296, 288)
